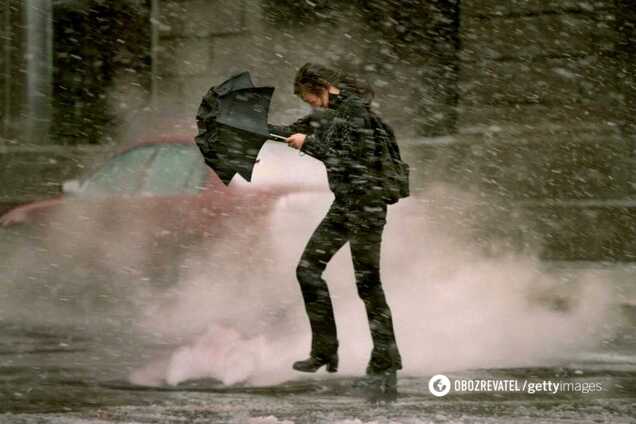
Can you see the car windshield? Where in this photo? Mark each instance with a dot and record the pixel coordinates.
(175, 169)
(152, 170)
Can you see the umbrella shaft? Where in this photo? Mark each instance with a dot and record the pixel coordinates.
(278, 137)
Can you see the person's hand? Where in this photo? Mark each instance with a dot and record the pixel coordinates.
(296, 140)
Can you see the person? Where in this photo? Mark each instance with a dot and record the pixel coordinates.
(365, 173)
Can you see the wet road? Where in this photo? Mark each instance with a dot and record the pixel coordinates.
(60, 367)
(51, 373)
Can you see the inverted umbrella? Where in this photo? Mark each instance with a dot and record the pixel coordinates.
(232, 121)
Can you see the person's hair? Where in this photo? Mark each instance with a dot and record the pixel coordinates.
(314, 78)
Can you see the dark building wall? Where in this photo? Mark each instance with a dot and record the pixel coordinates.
(12, 69)
(545, 128)
(541, 100)
(388, 42)
(518, 101)
(101, 49)
(536, 65)
(626, 57)
(81, 62)
(425, 35)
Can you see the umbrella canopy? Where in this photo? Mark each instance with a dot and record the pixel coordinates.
(236, 82)
(246, 110)
(232, 121)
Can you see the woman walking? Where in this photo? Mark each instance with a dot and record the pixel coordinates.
(365, 174)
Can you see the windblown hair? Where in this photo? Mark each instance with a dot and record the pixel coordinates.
(314, 78)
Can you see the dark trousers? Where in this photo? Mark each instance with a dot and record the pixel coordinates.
(362, 227)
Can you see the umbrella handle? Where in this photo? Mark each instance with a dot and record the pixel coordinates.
(277, 137)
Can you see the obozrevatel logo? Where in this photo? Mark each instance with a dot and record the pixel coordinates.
(439, 385)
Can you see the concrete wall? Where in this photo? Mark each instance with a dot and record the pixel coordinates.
(545, 127)
(537, 65)
(544, 75)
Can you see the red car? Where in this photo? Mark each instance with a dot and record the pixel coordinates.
(142, 213)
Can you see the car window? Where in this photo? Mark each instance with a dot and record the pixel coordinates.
(122, 175)
(175, 169)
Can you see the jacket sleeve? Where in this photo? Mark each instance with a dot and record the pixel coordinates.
(314, 147)
(318, 143)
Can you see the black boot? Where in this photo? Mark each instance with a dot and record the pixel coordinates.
(313, 363)
(379, 387)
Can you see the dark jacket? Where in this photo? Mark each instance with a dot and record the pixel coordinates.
(357, 148)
